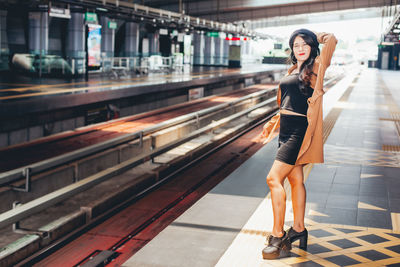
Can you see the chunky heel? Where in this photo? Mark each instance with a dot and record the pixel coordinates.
(303, 242)
(303, 236)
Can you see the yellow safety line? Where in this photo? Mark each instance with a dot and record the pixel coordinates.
(55, 91)
(395, 221)
(108, 81)
(17, 84)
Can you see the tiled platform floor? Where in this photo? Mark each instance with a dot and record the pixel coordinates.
(353, 199)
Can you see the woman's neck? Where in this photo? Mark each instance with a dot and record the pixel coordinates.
(299, 63)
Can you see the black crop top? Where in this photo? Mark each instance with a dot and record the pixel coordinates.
(291, 97)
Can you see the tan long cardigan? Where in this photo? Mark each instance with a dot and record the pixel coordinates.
(311, 150)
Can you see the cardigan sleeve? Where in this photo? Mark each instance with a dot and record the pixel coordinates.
(329, 41)
(278, 96)
(270, 127)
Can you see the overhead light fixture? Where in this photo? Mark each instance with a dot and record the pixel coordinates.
(101, 9)
(396, 30)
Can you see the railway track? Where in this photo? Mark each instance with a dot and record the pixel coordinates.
(181, 189)
(224, 139)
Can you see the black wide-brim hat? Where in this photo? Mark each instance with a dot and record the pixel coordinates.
(305, 32)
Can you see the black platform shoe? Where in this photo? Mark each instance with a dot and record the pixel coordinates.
(277, 247)
(293, 235)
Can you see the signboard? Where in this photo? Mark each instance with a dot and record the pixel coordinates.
(34, 15)
(180, 37)
(237, 38)
(112, 25)
(213, 34)
(59, 12)
(234, 52)
(163, 32)
(94, 45)
(90, 17)
(196, 93)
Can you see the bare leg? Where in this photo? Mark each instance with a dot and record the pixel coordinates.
(296, 178)
(275, 179)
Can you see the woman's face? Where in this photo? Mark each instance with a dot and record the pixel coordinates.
(301, 49)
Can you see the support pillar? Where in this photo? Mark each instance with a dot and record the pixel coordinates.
(198, 48)
(154, 48)
(218, 51)
(209, 50)
(76, 43)
(396, 57)
(4, 52)
(187, 49)
(107, 43)
(225, 58)
(38, 32)
(132, 41)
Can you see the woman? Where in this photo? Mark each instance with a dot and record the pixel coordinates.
(300, 137)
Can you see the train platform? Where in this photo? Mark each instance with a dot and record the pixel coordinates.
(32, 108)
(353, 199)
(14, 90)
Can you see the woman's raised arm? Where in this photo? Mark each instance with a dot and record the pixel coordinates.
(329, 41)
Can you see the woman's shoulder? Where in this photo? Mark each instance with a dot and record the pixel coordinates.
(291, 69)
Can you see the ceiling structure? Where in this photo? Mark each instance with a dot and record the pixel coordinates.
(319, 17)
(241, 10)
(254, 14)
(240, 16)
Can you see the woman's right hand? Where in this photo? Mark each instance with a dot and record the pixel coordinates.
(269, 128)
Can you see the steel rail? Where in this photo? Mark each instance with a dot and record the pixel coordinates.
(38, 167)
(39, 255)
(39, 204)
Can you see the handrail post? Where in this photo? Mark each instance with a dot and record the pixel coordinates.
(27, 173)
(17, 229)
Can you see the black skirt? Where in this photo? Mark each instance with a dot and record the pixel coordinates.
(291, 135)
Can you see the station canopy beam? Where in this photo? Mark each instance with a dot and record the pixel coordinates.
(231, 11)
(129, 10)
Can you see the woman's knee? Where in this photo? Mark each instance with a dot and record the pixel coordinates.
(273, 180)
(277, 174)
(295, 180)
(296, 176)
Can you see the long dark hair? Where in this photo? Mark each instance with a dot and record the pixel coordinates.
(306, 69)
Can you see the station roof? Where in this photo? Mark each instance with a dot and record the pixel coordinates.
(239, 16)
(237, 10)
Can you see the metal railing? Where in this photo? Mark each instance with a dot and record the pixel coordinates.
(27, 171)
(22, 211)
